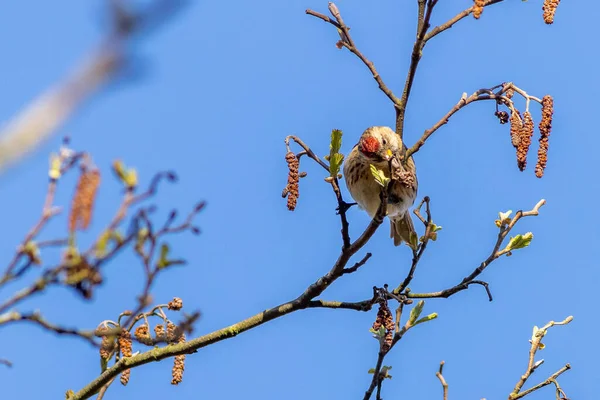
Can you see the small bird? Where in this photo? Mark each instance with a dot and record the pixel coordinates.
(380, 146)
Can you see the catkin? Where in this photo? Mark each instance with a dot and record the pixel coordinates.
(478, 8)
(82, 204)
(292, 188)
(525, 135)
(549, 9)
(545, 128)
(178, 365)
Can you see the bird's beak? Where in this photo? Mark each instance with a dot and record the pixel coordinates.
(388, 155)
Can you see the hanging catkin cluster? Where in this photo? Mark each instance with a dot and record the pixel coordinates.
(83, 200)
(125, 347)
(478, 8)
(545, 128)
(292, 188)
(142, 334)
(516, 124)
(549, 9)
(178, 365)
(385, 319)
(525, 135)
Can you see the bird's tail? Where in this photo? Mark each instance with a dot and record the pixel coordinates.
(401, 229)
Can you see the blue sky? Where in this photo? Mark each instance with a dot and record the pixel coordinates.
(222, 85)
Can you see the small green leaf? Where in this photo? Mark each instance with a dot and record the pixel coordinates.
(503, 218)
(415, 313)
(426, 319)
(336, 141)
(55, 164)
(384, 373)
(335, 163)
(379, 176)
(371, 371)
(335, 158)
(102, 244)
(32, 251)
(414, 241)
(103, 364)
(519, 241)
(162, 260)
(378, 334)
(131, 178)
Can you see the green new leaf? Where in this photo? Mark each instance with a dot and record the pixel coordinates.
(379, 176)
(520, 241)
(162, 260)
(55, 164)
(32, 250)
(426, 319)
(336, 141)
(371, 371)
(102, 244)
(335, 162)
(503, 218)
(378, 334)
(384, 373)
(415, 313)
(335, 158)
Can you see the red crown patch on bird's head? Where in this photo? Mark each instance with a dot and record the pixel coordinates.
(370, 145)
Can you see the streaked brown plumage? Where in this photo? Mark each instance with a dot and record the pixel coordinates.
(378, 145)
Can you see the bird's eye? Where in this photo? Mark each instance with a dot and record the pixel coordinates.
(384, 142)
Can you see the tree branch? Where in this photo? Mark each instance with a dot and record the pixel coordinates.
(536, 343)
(425, 10)
(495, 254)
(305, 300)
(442, 381)
(37, 319)
(347, 42)
(44, 115)
(450, 23)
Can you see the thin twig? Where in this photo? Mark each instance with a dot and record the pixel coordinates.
(347, 42)
(37, 319)
(442, 381)
(494, 255)
(535, 341)
(550, 380)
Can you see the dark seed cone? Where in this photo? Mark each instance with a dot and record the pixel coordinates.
(178, 365)
(545, 129)
(292, 187)
(549, 9)
(82, 204)
(525, 135)
(478, 8)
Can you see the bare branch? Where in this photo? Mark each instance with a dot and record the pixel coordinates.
(40, 119)
(442, 381)
(536, 343)
(347, 42)
(37, 319)
(494, 255)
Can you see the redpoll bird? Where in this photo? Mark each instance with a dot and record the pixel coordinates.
(380, 146)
